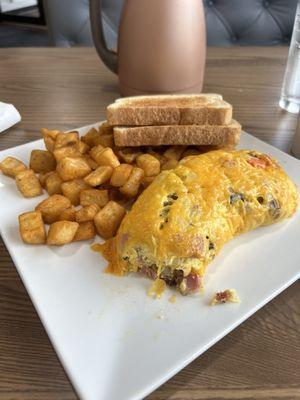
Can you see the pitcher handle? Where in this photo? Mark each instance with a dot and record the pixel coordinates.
(109, 57)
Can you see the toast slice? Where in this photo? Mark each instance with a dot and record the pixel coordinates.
(178, 135)
(192, 109)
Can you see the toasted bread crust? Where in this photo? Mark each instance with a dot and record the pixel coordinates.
(178, 135)
(170, 110)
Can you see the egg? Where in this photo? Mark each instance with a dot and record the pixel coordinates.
(180, 223)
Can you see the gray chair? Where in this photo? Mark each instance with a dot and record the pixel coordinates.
(229, 22)
(68, 22)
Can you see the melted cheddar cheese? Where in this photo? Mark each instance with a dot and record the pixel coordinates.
(183, 219)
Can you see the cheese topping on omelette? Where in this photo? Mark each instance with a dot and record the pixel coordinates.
(182, 220)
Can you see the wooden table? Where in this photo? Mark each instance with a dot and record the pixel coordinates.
(67, 88)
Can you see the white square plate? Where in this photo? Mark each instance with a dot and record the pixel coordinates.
(113, 340)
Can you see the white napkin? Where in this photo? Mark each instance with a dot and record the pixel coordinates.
(9, 116)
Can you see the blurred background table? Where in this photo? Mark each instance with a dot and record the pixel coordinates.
(67, 88)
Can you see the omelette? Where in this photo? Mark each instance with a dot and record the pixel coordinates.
(182, 220)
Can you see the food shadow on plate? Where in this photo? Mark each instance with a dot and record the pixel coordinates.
(70, 249)
(9, 185)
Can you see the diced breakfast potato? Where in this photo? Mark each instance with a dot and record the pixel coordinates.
(67, 151)
(42, 161)
(120, 175)
(157, 155)
(107, 140)
(72, 189)
(52, 207)
(170, 164)
(43, 176)
(32, 228)
(95, 152)
(131, 187)
(147, 180)
(82, 147)
(101, 175)
(106, 157)
(28, 183)
(108, 220)
(93, 196)
(92, 163)
(10, 166)
(91, 137)
(71, 168)
(128, 155)
(149, 164)
(66, 139)
(105, 129)
(53, 183)
(87, 213)
(174, 152)
(85, 231)
(69, 214)
(61, 232)
(49, 138)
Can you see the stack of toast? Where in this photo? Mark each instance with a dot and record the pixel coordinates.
(199, 119)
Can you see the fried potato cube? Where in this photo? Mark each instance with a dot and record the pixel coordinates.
(93, 165)
(170, 164)
(99, 176)
(149, 164)
(49, 132)
(53, 183)
(71, 168)
(42, 161)
(49, 137)
(66, 151)
(87, 213)
(147, 180)
(105, 129)
(120, 175)
(128, 155)
(91, 137)
(32, 228)
(107, 140)
(10, 166)
(43, 176)
(157, 155)
(52, 207)
(72, 189)
(82, 147)
(66, 139)
(95, 152)
(94, 196)
(61, 232)
(131, 187)
(108, 220)
(106, 157)
(174, 152)
(28, 183)
(85, 231)
(68, 214)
